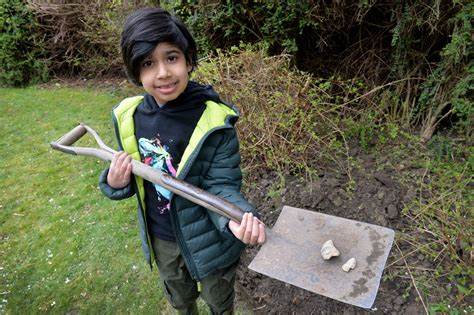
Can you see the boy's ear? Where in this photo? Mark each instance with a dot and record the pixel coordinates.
(190, 67)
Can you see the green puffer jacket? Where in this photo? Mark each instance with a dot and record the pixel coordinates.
(211, 162)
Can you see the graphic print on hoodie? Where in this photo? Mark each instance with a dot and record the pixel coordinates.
(157, 156)
(163, 133)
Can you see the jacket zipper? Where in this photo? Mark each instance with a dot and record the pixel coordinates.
(182, 244)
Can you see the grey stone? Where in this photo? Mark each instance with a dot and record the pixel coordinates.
(399, 300)
(332, 182)
(372, 189)
(384, 179)
(380, 195)
(392, 211)
(337, 200)
(390, 198)
(410, 194)
(317, 199)
(414, 309)
(316, 185)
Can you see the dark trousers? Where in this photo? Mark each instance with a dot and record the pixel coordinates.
(217, 290)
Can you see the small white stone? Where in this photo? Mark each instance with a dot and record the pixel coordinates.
(350, 264)
(329, 250)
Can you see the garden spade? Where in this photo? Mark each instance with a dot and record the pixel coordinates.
(291, 252)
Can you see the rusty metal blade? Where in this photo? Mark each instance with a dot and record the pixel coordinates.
(292, 254)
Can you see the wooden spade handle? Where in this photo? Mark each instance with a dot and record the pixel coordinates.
(177, 186)
(72, 136)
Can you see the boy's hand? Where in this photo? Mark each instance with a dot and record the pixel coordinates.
(120, 170)
(250, 230)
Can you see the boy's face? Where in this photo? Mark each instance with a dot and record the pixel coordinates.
(164, 74)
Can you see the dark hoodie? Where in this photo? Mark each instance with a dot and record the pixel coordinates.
(163, 134)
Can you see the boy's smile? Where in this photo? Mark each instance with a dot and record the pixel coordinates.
(165, 73)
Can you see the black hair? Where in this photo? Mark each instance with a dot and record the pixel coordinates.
(144, 29)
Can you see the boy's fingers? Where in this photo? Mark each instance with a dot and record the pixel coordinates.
(129, 170)
(116, 160)
(243, 226)
(121, 158)
(261, 223)
(248, 229)
(235, 227)
(261, 234)
(125, 163)
(254, 237)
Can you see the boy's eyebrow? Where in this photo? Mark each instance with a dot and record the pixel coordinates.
(172, 50)
(167, 52)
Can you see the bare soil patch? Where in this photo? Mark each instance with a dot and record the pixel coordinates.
(377, 198)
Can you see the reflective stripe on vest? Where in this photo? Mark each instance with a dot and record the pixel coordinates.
(126, 132)
(213, 116)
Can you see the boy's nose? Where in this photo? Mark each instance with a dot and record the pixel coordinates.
(162, 71)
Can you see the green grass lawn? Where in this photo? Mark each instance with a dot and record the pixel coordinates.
(64, 246)
(67, 249)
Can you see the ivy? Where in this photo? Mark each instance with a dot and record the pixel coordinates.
(451, 83)
(20, 48)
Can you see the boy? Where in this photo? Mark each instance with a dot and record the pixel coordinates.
(184, 129)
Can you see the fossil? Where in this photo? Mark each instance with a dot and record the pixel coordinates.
(350, 264)
(329, 250)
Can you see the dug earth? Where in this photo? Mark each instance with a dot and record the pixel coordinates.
(377, 198)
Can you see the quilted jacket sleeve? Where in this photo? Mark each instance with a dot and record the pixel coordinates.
(112, 193)
(224, 179)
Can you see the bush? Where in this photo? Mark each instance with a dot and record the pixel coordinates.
(291, 120)
(20, 48)
(420, 53)
(425, 48)
(81, 37)
(444, 43)
(281, 25)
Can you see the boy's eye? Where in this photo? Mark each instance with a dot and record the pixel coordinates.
(147, 63)
(172, 58)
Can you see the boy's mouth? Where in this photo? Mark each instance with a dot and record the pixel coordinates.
(167, 88)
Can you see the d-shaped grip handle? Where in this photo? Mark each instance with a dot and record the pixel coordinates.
(72, 136)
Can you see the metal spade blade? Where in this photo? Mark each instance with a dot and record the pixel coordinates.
(292, 254)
